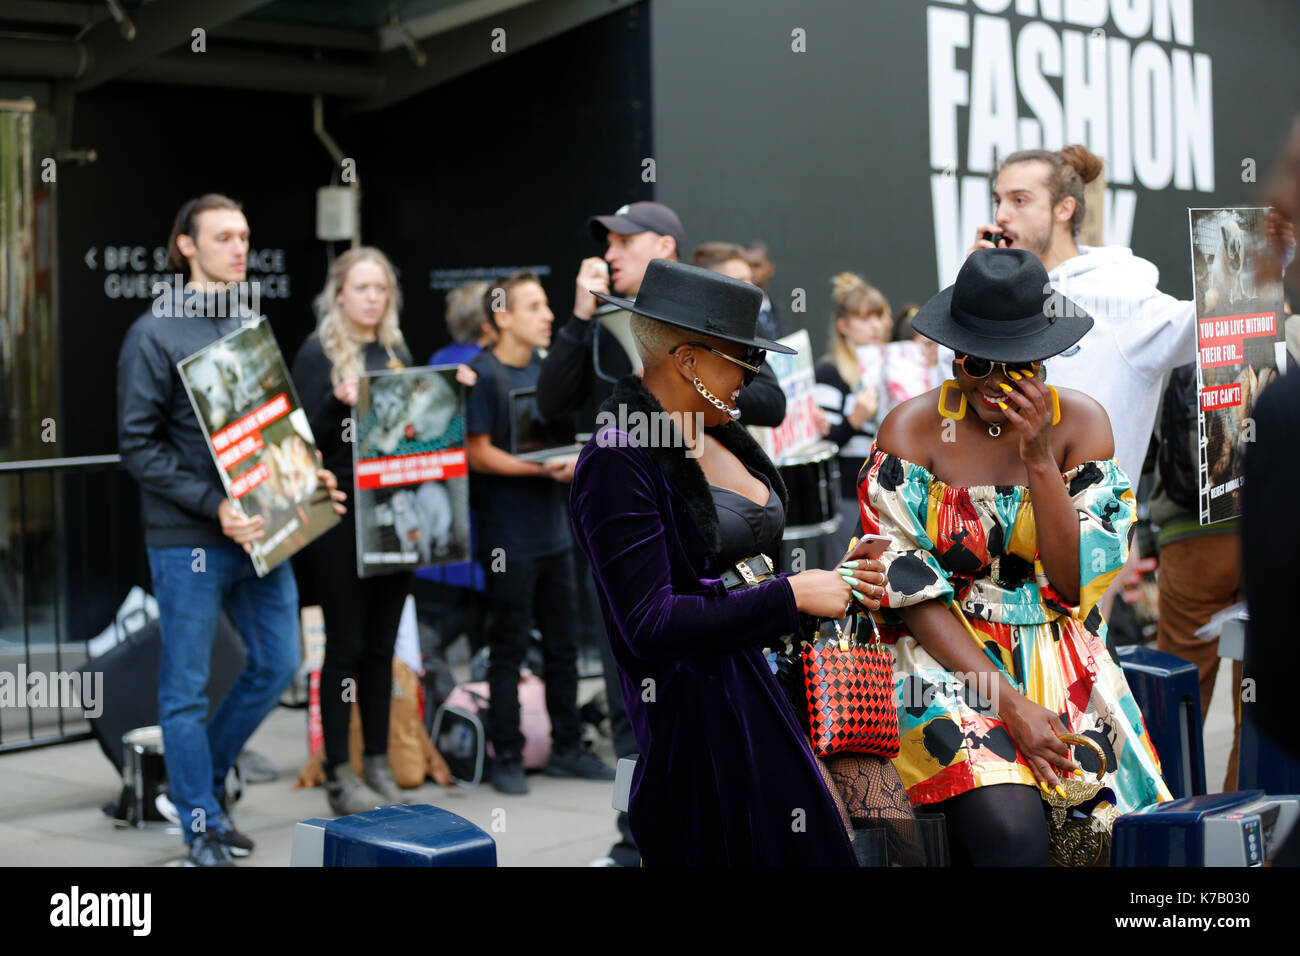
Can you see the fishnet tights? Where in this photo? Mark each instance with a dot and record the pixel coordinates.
(869, 794)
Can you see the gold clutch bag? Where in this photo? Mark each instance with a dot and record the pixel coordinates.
(1079, 824)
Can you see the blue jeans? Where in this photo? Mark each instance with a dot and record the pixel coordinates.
(199, 752)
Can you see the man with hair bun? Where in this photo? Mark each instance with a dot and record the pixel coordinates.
(1141, 332)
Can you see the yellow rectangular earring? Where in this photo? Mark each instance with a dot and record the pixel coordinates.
(943, 401)
(1056, 405)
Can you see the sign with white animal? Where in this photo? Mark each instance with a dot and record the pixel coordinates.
(260, 440)
(412, 473)
(1241, 343)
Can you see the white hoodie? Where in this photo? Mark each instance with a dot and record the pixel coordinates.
(1140, 333)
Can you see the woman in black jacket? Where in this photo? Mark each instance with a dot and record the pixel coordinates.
(357, 332)
(861, 317)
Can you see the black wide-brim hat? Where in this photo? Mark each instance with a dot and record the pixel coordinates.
(699, 300)
(1002, 307)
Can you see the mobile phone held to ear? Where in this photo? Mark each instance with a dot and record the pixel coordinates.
(869, 546)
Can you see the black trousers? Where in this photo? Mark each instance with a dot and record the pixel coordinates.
(524, 591)
(623, 852)
(361, 618)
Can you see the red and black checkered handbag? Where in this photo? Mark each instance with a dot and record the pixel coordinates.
(851, 695)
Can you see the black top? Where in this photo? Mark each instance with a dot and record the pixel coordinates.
(527, 516)
(746, 528)
(328, 416)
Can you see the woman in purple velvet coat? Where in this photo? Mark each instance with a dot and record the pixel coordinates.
(665, 505)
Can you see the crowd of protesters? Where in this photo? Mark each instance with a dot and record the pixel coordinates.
(605, 536)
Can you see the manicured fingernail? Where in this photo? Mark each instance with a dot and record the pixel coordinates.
(858, 596)
(1004, 386)
(1078, 773)
(1002, 405)
(849, 564)
(1014, 374)
(1060, 791)
(1043, 787)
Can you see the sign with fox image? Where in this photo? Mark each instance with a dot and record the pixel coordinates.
(411, 470)
(260, 440)
(1241, 344)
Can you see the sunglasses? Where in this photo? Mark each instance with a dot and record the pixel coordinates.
(981, 367)
(753, 359)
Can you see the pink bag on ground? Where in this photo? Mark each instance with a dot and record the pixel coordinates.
(534, 721)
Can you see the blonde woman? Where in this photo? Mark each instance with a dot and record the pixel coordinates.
(860, 317)
(357, 332)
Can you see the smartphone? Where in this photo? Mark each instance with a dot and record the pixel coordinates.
(869, 546)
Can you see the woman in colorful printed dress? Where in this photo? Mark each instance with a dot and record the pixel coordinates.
(1008, 517)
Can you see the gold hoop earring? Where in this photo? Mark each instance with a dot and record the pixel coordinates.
(943, 401)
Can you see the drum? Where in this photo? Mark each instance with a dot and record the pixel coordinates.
(812, 479)
(144, 772)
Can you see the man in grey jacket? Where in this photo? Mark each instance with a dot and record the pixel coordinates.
(197, 540)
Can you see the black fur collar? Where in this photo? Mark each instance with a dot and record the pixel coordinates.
(684, 474)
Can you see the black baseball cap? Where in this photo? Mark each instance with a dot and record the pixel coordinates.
(639, 217)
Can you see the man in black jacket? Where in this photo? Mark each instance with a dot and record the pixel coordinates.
(196, 538)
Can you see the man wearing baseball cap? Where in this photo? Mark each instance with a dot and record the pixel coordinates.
(584, 360)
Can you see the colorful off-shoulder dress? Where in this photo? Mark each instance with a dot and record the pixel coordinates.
(975, 549)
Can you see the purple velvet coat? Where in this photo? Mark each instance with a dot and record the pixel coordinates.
(726, 775)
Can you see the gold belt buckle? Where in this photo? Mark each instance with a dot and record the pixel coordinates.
(746, 572)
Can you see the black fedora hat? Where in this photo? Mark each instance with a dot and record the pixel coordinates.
(699, 300)
(1002, 307)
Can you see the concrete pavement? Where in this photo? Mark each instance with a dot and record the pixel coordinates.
(50, 812)
(50, 803)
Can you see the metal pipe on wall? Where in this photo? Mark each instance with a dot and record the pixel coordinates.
(318, 127)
